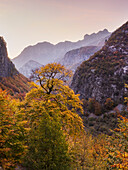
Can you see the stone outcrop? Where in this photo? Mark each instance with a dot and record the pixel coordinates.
(7, 68)
(104, 75)
(10, 79)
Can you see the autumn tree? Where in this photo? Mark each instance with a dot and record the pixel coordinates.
(109, 103)
(12, 132)
(118, 145)
(53, 93)
(94, 106)
(50, 75)
(47, 147)
(89, 152)
(52, 98)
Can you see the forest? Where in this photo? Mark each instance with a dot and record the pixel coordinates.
(45, 129)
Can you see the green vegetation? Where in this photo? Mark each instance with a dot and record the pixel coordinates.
(47, 146)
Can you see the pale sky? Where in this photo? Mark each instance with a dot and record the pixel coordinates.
(27, 22)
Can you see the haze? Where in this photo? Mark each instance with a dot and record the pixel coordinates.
(27, 22)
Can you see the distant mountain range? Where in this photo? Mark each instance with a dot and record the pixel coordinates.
(46, 52)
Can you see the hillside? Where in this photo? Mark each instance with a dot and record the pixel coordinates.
(27, 68)
(74, 58)
(18, 84)
(46, 52)
(104, 75)
(100, 81)
(10, 79)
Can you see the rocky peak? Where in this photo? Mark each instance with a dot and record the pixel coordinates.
(104, 75)
(105, 32)
(7, 68)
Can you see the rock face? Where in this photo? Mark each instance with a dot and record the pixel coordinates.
(46, 52)
(27, 68)
(7, 68)
(104, 75)
(10, 79)
(74, 58)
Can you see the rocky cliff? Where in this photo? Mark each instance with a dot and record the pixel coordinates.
(104, 75)
(74, 58)
(7, 68)
(10, 79)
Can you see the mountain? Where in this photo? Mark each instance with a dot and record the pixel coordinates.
(104, 75)
(46, 52)
(7, 68)
(74, 58)
(27, 68)
(10, 79)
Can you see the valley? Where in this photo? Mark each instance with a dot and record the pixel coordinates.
(66, 105)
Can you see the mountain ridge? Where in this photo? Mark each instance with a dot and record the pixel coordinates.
(45, 52)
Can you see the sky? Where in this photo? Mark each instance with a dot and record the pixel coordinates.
(28, 22)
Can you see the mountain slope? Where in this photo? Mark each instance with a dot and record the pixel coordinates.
(46, 52)
(74, 58)
(7, 68)
(104, 75)
(27, 68)
(10, 79)
(15, 85)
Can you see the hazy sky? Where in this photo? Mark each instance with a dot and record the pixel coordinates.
(27, 22)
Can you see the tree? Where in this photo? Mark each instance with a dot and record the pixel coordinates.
(47, 147)
(89, 152)
(12, 132)
(54, 94)
(94, 106)
(109, 104)
(49, 75)
(51, 109)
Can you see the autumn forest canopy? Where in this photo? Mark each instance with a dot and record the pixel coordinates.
(46, 130)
